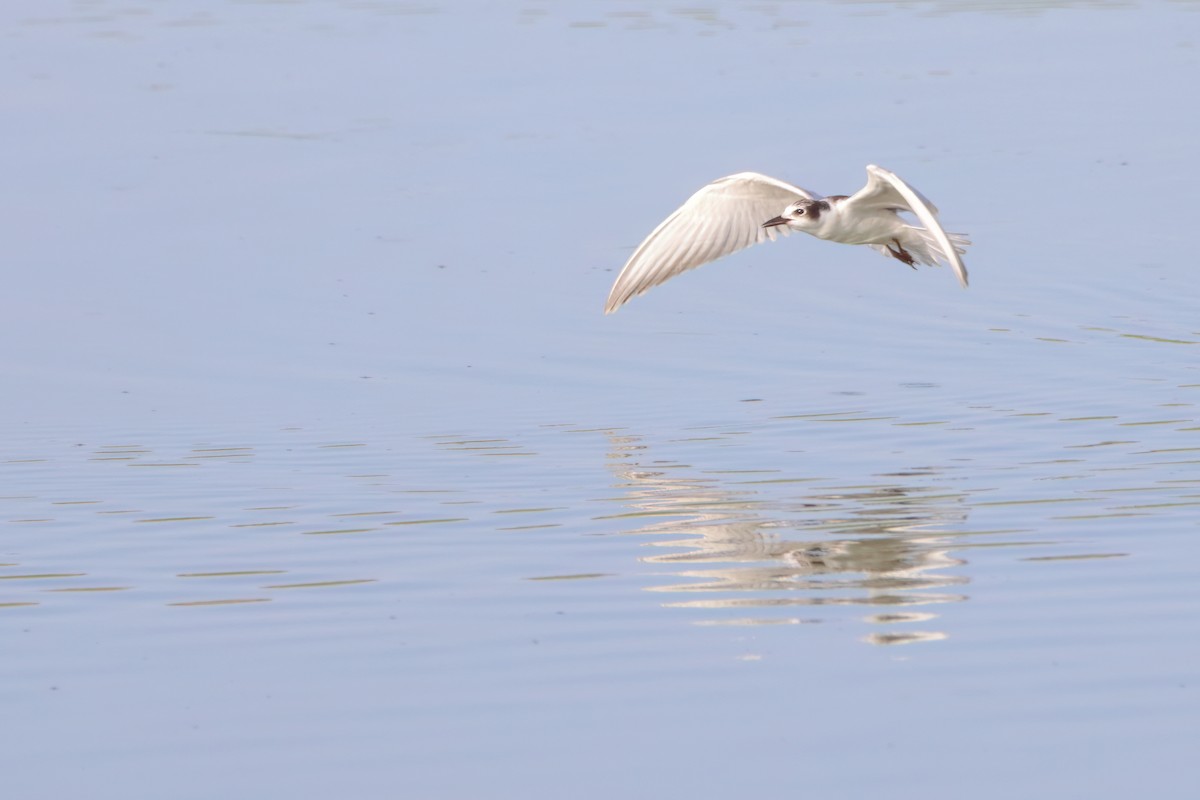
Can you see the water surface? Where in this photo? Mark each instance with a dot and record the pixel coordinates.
(322, 473)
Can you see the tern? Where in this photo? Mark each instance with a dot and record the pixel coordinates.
(736, 211)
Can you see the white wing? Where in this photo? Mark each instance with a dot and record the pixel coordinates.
(722, 218)
(885, 189)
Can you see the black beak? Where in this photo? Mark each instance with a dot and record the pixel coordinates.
(774, 222)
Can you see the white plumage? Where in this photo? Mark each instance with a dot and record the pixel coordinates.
(737, 211)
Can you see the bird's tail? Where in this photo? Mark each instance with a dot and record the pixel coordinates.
(924, 248)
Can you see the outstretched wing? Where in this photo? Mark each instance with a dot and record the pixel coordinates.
(885, 189)
(722, 218)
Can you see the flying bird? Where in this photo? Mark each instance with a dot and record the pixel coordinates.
(737, 211)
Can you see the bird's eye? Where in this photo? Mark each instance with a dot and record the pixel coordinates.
(800, 212)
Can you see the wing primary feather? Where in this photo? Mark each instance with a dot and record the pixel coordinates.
(723, 217)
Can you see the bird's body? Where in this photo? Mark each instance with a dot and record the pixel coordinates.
(737, 211)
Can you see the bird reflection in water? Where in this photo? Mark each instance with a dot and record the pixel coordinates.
(777, 544)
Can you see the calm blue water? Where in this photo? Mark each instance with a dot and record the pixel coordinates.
(323, 474)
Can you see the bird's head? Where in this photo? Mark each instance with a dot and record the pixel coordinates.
(801, 215)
